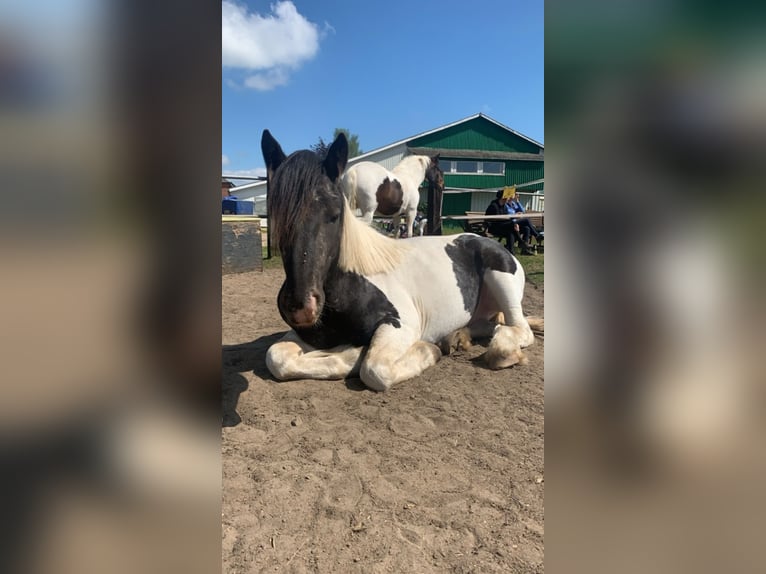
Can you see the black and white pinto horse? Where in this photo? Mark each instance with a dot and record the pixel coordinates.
(363, 304)
(372, 188)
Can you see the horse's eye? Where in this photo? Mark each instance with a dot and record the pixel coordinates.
(334, 218)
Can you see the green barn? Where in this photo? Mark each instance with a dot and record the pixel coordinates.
(477, 153)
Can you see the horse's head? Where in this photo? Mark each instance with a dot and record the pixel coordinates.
(434, 173)
(305, 206)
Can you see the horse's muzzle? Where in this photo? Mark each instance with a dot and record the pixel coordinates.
(307, 315)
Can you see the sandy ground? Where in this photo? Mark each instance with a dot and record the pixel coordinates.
(443, 473)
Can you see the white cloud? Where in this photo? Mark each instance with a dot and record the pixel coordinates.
(328, 29)
(224, 159)
(267, 80)
(272, 44)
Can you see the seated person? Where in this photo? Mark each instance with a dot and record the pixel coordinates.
(527, 229)
(505, 228)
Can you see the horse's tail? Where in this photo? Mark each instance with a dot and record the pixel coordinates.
(537, 324)
(348, 183)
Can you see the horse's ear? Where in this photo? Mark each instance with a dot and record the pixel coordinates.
(435, 159)
(337, 157)
(272, 153)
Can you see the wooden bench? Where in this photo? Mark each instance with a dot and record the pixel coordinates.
(536, 218)
(476, 223)
(479, 225)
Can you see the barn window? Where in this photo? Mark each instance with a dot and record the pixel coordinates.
(473, 167)
(493, 167)
(467, 166)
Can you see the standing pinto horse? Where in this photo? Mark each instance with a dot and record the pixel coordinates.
(371, 187)
(362, 303)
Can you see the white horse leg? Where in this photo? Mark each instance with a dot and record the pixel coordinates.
(411, 214)
(508, 290)
(365, 206)
(477, 329)
(396, 355)
(508, 340)
(292, 358)
(395, 221)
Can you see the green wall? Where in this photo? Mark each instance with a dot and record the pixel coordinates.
(478, 133)
(482, 134)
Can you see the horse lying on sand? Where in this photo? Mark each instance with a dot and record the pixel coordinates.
(362, 304)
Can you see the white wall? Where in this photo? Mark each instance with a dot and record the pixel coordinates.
(387, 158)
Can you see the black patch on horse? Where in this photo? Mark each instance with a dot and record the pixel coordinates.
(467, 271)
(389, 196)
(471, 256)
(353, 310)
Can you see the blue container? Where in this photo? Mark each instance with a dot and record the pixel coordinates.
(233, 206)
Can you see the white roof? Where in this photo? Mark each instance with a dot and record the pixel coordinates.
(245, 187)
(468, 119)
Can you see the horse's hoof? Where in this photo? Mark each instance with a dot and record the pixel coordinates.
(504, 349)
(497, 360)
(459, 340)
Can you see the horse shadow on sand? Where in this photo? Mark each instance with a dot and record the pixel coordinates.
(237, 359)
(251, 357)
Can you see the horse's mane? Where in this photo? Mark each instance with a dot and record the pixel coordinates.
(422, 161)
(366, 251)
(363, 249)
(286, 205)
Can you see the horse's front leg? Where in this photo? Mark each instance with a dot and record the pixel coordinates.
(515, 333)
(367, 215)
(395, 355)
(411, 214)
(292, 358)
(395, 221)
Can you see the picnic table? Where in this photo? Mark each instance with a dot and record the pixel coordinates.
(475, 221)
(470, 215)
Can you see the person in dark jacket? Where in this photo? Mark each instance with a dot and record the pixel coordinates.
(505, 228)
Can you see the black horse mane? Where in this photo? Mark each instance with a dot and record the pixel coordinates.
(289, 194)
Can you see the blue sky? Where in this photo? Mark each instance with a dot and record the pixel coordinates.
(384, 70)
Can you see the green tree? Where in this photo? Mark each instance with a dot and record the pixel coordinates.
(322, 146)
